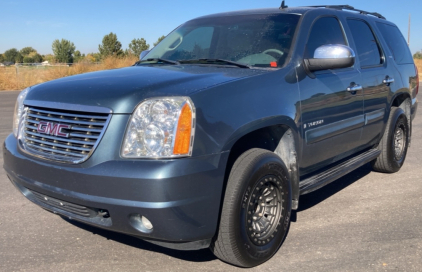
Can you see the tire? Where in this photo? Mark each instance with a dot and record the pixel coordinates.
(252, 229)
(394, 143)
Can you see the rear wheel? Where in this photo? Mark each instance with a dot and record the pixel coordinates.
(256, 211)
(394, 143)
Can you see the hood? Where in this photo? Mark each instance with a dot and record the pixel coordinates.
(121, 90)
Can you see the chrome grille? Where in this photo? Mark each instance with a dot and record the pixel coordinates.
(84, 134)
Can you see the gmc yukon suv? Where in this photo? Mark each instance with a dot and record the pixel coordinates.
(212, 137)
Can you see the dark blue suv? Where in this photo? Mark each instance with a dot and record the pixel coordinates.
(210, 139)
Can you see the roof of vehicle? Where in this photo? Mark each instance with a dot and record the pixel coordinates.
(297, 10)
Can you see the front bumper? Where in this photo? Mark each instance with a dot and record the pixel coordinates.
(180, 197)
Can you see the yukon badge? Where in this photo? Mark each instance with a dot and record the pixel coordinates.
(53, 129)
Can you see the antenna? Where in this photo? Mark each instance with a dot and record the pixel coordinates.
(283, 6)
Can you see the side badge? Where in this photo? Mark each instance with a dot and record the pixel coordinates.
(313, 124)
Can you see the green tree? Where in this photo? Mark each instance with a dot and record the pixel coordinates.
(110, 46)
(28, 59)
(19, 58)
(136, 46)
(12, 55)
(78, 56)
(159, 40)
(50, 58)
(37, 58)
(63, 50)
(418, 55)
(93, 57)
(1, 58)
(97, 56)
(27, 50)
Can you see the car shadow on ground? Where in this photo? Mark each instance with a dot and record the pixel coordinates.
(203, 255)
(309, 200)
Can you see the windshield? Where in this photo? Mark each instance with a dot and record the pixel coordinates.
(258, 40)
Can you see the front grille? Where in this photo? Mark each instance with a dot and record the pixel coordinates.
(84, 132)
(65, 206)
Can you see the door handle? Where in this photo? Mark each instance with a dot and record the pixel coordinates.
(388, 80)
(353, 88)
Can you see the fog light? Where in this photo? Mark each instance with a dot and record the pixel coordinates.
(147, 224)
(141, 223)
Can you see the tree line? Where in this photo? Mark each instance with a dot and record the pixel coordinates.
(64, 51)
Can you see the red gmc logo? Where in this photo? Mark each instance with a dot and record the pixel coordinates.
(53, 129)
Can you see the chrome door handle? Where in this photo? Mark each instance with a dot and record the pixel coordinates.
(388, 80)
(354, 88)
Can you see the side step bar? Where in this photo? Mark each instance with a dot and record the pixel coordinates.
(315, 182)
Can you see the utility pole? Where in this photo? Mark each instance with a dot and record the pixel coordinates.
(408, 33)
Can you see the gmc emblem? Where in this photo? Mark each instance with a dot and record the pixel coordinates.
(53, 129)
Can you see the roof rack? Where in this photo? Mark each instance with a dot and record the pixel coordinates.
(347, 7)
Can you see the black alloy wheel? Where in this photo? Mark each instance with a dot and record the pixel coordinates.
(394, 143)
(256, 211)
(264, 210)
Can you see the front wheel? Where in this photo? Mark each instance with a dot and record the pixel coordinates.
(394, 143)
(256, 210)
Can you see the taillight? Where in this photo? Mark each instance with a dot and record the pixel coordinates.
(417, 81)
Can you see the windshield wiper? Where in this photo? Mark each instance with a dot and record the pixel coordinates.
(215, 61)
(159, 60)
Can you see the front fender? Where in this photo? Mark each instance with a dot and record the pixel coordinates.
(227, 112)
(259, 124)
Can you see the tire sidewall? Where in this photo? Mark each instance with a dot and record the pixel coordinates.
(399, 119)
(251, 253)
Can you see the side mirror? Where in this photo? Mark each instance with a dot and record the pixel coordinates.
(331, 56)
(143, 54)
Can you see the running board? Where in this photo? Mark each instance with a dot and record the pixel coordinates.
(315, 182)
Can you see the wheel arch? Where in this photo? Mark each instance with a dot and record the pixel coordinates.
(276, 134)
(404, 101)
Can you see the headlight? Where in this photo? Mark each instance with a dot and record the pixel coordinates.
(19, 108)
(160, 128)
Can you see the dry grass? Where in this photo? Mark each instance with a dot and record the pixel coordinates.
(17, 78)
(418, 63)
(12, 78)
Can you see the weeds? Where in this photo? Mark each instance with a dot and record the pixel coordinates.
(418, 63)
(17, 78)
(20, 77)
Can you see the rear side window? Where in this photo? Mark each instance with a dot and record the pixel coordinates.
(367, 46)
(396, 43)
(326, 30)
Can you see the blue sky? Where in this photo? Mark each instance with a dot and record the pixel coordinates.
(37, 23)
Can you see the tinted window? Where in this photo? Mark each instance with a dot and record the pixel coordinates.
(366, 44)
(258, 40)
(396, 43)
(197, 43)
(325, 30)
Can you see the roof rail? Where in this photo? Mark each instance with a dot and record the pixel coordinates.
(347, 7)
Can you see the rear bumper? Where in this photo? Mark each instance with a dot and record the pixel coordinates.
(180, 197)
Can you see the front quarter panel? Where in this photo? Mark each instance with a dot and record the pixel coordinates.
(227, 112)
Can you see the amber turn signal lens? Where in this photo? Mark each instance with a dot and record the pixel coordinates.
(183, 133)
